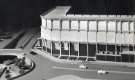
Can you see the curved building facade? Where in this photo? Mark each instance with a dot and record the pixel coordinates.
(88, 37)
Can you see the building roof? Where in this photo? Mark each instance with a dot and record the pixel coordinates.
(60, 12)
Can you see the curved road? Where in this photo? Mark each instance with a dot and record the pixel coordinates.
(47, 69)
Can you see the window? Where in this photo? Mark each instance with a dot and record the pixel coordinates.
(82, 49)
(56, 24)
(118, 26)
(93, 25)
(43, 23)
(74, 25)
(118, 49)
(131, 26)
(74, 48)
(124, 48)
(111, 26)
(101, 48)
(48, 45)
(125, 27)
(91, 50)
(49, 24)
(65, 24)
(64, 48)
(110, 49)
(102, 26)
(83, 25)
(56, 48)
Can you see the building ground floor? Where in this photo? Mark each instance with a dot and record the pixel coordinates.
(88, 51)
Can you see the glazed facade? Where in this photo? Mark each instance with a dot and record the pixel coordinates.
(89, 39)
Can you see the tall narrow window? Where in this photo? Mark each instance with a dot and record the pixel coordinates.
(48, 45)
(131, 26)
(125, 27)
(49, 25)
(82, 49)
(43, 23)
(56, 48)
(91, 50)
(83, 25)
(65, 24)
(118, 26)
(92, 25)
(74, 48)
(74, 25)
(56, 24)
(64, 48)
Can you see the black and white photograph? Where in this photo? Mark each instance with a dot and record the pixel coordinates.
(67, 39)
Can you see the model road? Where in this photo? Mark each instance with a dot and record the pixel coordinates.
(47, 69)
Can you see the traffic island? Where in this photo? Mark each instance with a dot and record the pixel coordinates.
(17, 67)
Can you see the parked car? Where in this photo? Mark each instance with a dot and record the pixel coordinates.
(101, 71)
(82, 66)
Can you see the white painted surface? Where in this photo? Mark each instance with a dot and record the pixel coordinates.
(55, 35)
(110, 37)
(101, 37)
(118, 38)
(92, 37)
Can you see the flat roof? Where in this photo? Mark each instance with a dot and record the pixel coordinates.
(60, 12)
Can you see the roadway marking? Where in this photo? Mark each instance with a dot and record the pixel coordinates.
(91, 70)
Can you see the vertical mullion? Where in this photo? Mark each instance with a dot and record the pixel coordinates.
(69, 48)
(134, 39)
(51, 47)
(128, 37)
(115, 41)
(87, 39)
(78, 25)
(96, 38)
(79, 49)
(106, 40)
(121, 37)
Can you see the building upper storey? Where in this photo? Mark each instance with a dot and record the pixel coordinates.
(60, 12)
(58, 19)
